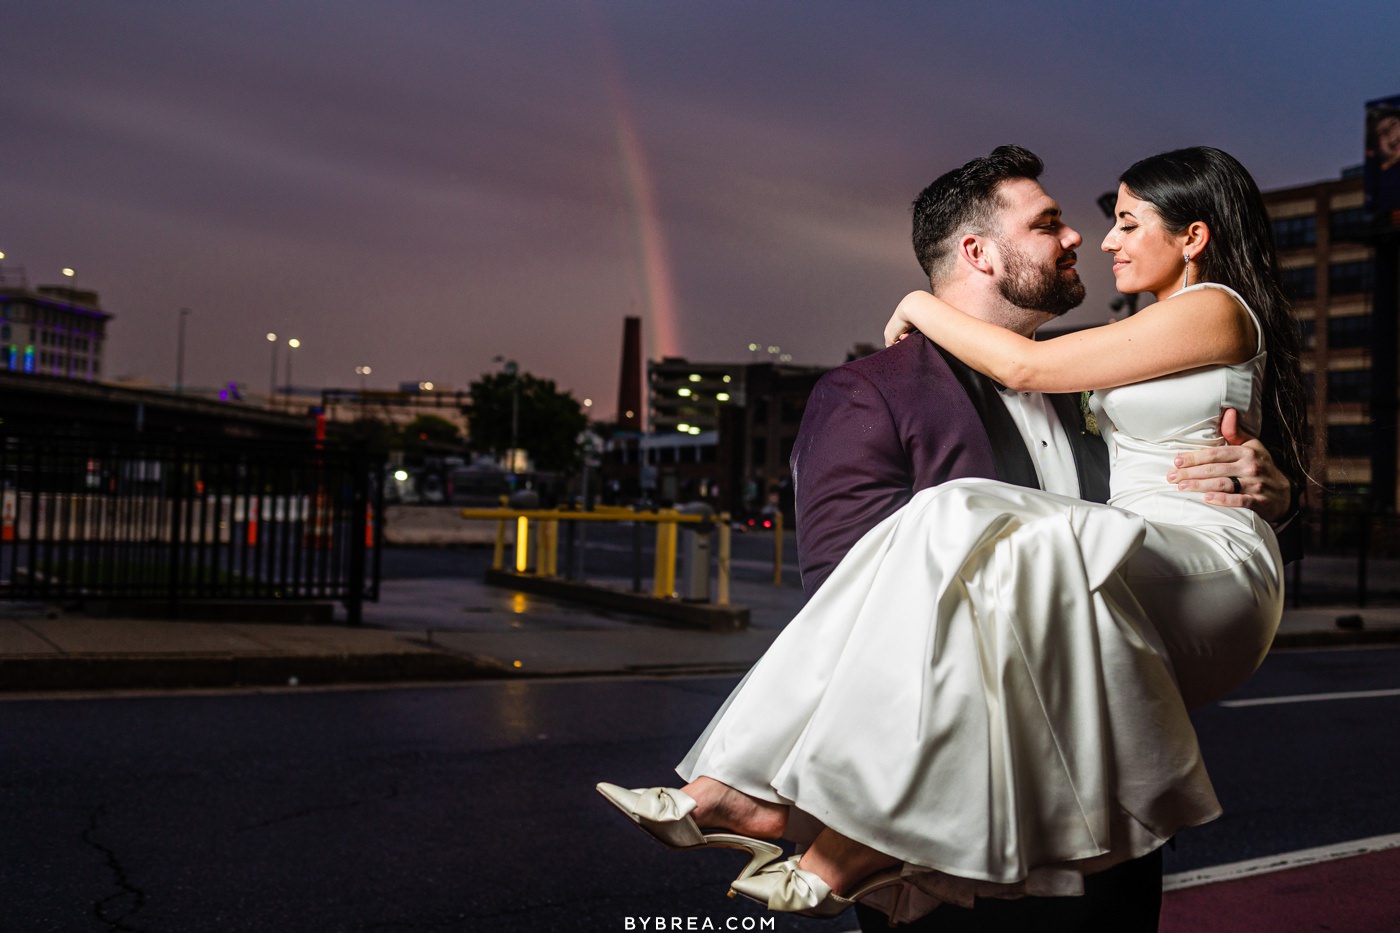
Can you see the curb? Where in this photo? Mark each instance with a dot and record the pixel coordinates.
(1321, 638)
(221, 671)
(206, 672)
(275, 611)
(695, 615)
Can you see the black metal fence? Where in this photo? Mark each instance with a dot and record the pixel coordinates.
(88, 519)
(1351, 556)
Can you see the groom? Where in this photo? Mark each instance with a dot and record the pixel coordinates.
(879, 429)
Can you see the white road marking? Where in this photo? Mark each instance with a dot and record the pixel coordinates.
(1272, 863)
(1311, 698)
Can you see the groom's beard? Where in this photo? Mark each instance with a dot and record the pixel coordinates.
(1036, 288)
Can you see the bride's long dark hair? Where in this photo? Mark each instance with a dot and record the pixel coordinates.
(1205, 184)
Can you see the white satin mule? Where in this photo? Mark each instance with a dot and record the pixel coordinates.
(664, 814)
(784, 887)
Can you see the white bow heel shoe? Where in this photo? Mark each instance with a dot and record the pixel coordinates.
(664, 814)
(785, 887)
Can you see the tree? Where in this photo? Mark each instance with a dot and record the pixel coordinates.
(429, 434)
(378, 437)
(547, 421)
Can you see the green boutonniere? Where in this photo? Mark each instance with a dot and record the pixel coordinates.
(1091, 423)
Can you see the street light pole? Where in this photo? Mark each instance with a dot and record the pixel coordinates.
(292, 344)
(362, 372)
(272, 380)
(180, 353)
(512, 370)
(72, 307)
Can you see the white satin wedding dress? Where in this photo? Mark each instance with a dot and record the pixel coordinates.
(993, 685)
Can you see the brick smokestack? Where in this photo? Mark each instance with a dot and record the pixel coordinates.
(629, 388)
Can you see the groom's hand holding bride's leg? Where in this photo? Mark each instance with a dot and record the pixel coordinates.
(1240, 474)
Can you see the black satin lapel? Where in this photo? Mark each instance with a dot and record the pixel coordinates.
(1090, 452)
(1013, 461)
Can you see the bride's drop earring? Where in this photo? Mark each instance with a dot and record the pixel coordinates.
(1186, 258)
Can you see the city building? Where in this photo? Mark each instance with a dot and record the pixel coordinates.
(1327, 263)
(690, 398)
(720, 433)
(756, 439)
(50, 330)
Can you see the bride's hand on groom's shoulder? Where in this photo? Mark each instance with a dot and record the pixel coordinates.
(900, 326)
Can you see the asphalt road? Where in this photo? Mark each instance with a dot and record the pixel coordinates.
(472, 807)
(1304, 773)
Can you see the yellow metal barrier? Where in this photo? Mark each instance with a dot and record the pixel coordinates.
(663, 577)
(546, 532)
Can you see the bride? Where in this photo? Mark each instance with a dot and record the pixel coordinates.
(989, 695)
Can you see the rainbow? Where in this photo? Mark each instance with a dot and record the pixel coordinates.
(660, 314)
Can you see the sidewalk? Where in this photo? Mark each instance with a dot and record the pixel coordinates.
(419, 630)
(445, 630)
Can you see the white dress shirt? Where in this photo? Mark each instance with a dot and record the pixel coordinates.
(1046, 440)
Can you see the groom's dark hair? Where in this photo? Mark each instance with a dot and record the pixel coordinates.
(966, 200)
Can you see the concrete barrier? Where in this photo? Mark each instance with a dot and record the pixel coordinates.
(433, 526)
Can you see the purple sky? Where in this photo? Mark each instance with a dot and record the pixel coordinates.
(422, 186)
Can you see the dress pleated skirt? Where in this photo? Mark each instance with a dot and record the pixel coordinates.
(978, 691)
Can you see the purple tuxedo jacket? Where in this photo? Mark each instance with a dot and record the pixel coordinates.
(881, 428)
